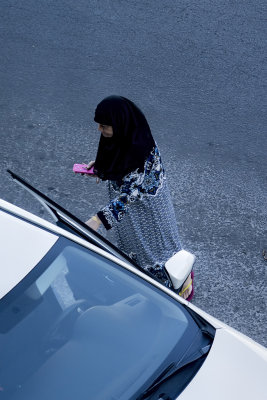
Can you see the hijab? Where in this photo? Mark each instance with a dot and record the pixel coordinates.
(131, 142)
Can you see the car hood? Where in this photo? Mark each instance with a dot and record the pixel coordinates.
(235, 368)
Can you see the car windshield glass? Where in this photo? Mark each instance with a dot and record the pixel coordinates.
(80, 326)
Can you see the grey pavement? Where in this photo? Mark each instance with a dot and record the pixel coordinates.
(198, 71)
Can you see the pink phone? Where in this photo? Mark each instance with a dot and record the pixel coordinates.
(81, 169)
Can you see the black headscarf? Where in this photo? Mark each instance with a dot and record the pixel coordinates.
(131, 142)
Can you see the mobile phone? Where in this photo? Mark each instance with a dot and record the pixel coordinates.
(82, 169)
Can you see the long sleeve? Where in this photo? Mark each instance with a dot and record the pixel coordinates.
(134, 186)
(128, 192)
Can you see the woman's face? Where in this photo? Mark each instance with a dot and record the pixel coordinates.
(106, 130)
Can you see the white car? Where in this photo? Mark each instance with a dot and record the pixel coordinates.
(79, 320)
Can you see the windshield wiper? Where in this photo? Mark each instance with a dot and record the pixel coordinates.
(172, 369)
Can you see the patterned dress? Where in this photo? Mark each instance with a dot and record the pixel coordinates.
(141, 213)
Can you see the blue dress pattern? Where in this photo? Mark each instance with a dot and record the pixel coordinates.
(141, 213)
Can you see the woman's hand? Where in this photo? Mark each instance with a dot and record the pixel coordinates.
(88, 166)
(91, 163)
(94, 223)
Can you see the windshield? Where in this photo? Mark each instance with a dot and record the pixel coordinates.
(80, 326)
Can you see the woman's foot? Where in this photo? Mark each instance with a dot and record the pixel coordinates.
(187, 289)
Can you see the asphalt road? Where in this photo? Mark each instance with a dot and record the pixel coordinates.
(197, 70)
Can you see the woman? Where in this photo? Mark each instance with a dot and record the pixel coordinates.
(140, 209)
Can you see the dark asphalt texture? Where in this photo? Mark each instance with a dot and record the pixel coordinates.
(198, 71)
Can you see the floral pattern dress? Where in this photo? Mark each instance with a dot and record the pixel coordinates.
(141, 213)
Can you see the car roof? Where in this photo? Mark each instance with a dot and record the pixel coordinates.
(23, 245)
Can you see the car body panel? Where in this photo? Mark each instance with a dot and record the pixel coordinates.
(234, 369)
